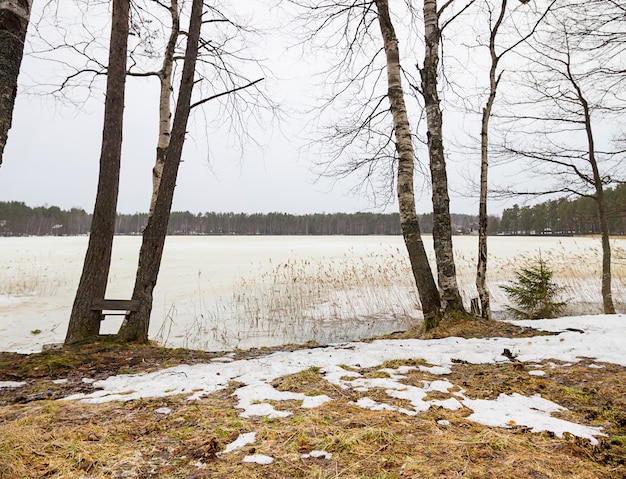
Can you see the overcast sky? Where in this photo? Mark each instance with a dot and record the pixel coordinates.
(53, 150)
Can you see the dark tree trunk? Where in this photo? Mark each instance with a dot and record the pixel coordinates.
(14, 17)
(442, 229)
(84, 322)
(429, 295)
(135, 326)
(607, 294)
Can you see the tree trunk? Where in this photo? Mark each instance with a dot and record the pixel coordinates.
(429, 295)
(165, 109)
(84, 322)
(14, 18)
(607, 295)
(136, 324)
(442, 229)
(481, 267)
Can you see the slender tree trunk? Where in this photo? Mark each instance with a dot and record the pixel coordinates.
(14, 18)
(84, 322)
(429, 295)
(165, 109)
(607, 295)
(481, 268)
(442, 229)
(135, 326)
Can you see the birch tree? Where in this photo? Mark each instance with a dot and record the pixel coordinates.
(14, 19)
(217, 66)
(373, 137)
(232, 80)
(496, 54)
(429, 295)
(442, 230)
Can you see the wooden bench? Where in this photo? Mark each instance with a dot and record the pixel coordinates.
(125, 305)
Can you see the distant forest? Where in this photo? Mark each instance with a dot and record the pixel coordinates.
(566, 217)
(17, 219)
(557, 217)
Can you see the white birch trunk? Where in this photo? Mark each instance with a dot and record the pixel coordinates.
(481, 267)
(429, 295)
(442, 229)
(165, 105)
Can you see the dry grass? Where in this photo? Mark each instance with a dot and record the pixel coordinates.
(56, 439)
(349, 298)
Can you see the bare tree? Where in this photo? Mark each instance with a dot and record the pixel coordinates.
(135, 326)
(429, 295)
(84, 322)
(216, 56)
(362, 141)
(570, 98)
(14, 19)
(442, 229)
(214, 69)
(495, 75)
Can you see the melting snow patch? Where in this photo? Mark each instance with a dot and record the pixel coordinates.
(241, 441)
(537, 372)
(249, 397)
(11, 384)
(339, 364)
(317, 454)
(259, 459)
(534, 412)
(163, 410)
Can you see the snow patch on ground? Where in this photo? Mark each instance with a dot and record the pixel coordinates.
(601, 339)
(11, 384)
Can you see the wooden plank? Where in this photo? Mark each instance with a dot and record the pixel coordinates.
(115, 305)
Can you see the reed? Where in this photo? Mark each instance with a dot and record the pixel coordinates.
(336, 299)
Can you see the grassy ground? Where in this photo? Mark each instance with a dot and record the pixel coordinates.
(42, 437)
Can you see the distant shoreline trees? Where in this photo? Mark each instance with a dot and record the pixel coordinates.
(554, 217)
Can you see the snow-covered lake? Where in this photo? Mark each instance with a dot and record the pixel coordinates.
(219, 293)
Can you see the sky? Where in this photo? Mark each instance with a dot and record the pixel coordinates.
(52, 152)
(597, 338)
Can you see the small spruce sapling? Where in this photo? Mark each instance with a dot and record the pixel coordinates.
(533, 292)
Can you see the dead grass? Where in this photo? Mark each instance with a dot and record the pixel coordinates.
(56, 439)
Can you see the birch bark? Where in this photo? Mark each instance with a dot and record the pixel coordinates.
(165, 108)
(429, 295)
(481, 267)
(442, 229)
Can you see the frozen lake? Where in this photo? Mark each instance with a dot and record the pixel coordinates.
(219, 293)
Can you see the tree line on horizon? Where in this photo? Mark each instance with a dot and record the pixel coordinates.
(18, 219)
(557, 217)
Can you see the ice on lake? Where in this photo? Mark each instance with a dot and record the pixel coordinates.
(225, 292)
